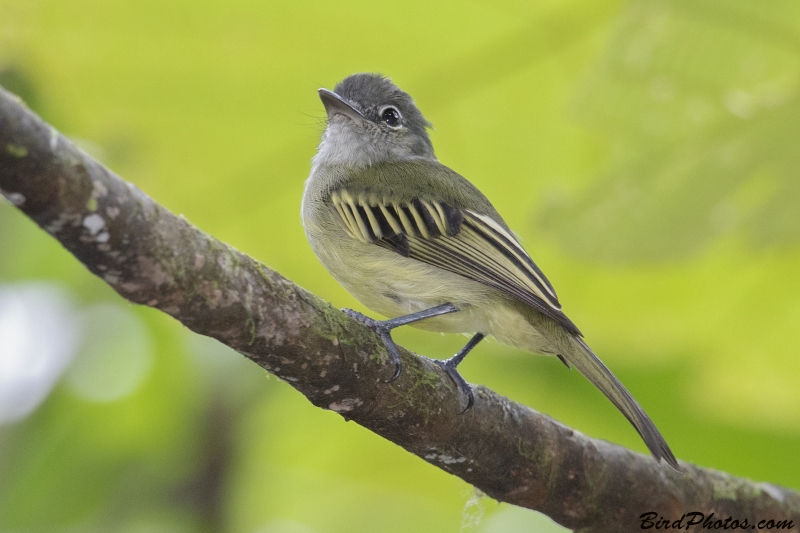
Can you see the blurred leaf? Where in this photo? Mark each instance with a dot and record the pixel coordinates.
(699, 100)
(13, 78)
(518, 520)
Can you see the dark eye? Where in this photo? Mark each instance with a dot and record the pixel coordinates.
(391, 117)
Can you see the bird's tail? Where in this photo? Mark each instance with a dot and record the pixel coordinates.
(575, 352)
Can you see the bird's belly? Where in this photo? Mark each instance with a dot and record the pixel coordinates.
(393, 285)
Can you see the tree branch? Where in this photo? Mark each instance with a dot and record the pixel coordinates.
(510, 452)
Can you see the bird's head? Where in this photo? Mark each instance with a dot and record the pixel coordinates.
(371, 120)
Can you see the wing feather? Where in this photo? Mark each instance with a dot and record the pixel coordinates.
(457, 240)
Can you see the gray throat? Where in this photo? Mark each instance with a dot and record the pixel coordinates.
(345, 144)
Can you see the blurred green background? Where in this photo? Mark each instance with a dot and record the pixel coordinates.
(646, 152)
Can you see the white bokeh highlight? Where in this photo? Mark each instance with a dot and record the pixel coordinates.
(39, 335)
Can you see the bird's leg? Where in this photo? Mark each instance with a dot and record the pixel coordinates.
(450, 365)
(384, 328)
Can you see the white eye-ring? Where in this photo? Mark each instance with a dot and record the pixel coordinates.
(391, 116)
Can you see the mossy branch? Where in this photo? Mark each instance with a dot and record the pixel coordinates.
(510, 452)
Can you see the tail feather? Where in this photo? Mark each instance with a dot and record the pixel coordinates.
(575, 352)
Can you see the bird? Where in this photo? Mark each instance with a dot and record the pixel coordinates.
(415, 241)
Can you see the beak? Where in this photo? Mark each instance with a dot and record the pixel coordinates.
(336, 104)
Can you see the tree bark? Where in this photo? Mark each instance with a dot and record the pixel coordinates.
(508, 451)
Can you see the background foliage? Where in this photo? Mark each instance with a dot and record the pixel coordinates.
(645, 151)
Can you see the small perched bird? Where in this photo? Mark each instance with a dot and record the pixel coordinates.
(415, 241)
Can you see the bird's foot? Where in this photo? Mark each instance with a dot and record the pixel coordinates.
(449, 366)
(383, 328)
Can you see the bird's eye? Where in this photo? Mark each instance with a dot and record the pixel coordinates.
(391, 117)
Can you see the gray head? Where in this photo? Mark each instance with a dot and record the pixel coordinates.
(370, 120)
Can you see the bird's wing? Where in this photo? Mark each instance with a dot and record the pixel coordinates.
(461, 241)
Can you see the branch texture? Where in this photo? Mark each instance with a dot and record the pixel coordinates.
(510, 452)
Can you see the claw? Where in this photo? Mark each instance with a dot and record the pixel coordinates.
(394, 355)
(398, 366)
(384, 331)
(470, 402)
(459, 381)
